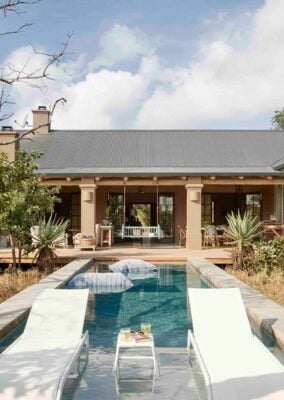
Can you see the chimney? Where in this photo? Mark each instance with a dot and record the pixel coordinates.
(41, 117)
(8, 135)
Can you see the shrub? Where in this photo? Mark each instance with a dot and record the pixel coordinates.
(269, 256)
(241, 231)
(49, 232)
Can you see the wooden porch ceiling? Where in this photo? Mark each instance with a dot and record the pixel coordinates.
(179, 181)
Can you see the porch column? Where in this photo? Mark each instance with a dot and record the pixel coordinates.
(193, 214)
(88, 206)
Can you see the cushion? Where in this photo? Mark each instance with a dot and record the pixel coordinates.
(107, 282)
(132, 265)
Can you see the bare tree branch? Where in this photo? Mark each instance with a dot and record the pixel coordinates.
(31, 131)
(14, 74)
(17, 30)
(33, 76)
(13, 6)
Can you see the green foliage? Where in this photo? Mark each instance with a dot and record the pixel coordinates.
(49, 232)
(22, 199)
(241, 231)
(269, 256)
(278, 119)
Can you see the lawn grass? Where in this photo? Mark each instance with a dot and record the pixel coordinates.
(13, 282)
(271, 286)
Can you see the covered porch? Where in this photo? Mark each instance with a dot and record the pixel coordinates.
(151, 209)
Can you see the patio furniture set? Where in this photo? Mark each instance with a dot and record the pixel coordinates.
(211, 236)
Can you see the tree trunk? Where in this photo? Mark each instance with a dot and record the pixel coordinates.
(20, 255)
(13, 245)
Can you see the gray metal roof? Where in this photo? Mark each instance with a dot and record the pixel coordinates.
(167, 152)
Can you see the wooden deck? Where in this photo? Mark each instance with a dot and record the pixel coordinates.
(158, 254)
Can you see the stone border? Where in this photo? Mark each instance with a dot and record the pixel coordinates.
(266, 314)
(16, 308)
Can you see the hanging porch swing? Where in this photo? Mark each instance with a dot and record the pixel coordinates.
(140, 232)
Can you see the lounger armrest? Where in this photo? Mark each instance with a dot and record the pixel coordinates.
(83, 342)
(191, 343)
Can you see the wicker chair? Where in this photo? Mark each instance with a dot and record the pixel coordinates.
(211, 236)
(182, 235)
(84, 241)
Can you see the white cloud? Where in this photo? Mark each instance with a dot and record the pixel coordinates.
(121, 43)
(224, 85)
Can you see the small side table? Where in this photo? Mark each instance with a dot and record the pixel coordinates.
(131, 343)
(106, 235)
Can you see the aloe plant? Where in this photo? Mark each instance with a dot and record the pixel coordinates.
(241, 231)
(49, 232)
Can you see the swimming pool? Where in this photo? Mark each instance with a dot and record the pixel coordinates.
(161, 301)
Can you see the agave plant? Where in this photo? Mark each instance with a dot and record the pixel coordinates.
(49, 232)
(241, 231)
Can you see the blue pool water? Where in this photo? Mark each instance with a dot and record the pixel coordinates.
(161, 301)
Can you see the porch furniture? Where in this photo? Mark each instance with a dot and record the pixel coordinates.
(139, 347)
(61, 241)
(38, 363)
(222, 239)
(84, 241)
(140, 232)
(210, 237)
(106, 235)
(277, 229)
(234, 363)
(181, 235)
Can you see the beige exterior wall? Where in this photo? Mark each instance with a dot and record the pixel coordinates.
(41, 117)
(88, 205)
(193, 214)
(9, 149)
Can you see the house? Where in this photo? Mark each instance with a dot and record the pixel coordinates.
(170, 177)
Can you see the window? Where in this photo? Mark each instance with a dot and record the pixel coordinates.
(166, 214)
(254, 204)
(207, 205)
(116, 213)
(75, 209)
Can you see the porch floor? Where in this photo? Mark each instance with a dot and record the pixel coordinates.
(163, 253)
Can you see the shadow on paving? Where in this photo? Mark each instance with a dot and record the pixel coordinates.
(136, 379)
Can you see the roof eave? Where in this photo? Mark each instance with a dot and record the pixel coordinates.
(140, 171)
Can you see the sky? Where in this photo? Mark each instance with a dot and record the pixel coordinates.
(153, 64)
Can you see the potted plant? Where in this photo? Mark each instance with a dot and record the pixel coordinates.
(107, 217)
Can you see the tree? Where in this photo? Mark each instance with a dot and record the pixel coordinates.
(278, 119)
(12, 74)
(22, 199)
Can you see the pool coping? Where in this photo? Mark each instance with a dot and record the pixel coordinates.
(15, 309)
(266, 314)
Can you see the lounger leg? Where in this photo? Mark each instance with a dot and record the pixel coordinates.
(84, 354)
(116, 358)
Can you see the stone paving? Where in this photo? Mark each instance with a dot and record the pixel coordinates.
(98, 382)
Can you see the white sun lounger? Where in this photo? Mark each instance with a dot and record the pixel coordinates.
(37, 364)
(234, 363)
